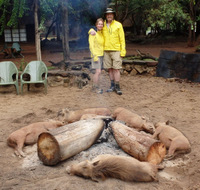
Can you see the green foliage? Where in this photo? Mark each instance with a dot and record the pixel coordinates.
(51, 67)
(22, 65)
(12, 11)
(167, 15)
(47, 10)
(159, 14)
(4, 4)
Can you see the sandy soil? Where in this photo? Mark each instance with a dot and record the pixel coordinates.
(156, 98)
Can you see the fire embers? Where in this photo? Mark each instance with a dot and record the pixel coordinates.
(107, 131)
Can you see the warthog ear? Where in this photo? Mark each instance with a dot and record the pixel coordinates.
(63, 111)
(151, 127)
(167, 122)
(60, 113)
(68, 170)
(95, 179)
(95, 163)
(60, 123)
(66, 110)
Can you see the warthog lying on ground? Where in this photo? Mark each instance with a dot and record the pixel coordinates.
(172, 138)
(133, 120)
(71, 116)
(29, 134)
(121, 167)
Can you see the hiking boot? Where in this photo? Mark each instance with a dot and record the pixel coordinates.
(111, 89)
(117, 90)
(97, 90)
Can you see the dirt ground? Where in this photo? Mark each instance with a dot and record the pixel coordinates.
(156, 98)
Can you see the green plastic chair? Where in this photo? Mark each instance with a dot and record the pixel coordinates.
(36, 72)
(9, 74)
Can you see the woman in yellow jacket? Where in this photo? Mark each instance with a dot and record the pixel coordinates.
(96, 44)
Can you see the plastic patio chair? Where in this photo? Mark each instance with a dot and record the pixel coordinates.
(9, 74)
(36, 72)
(16, 50)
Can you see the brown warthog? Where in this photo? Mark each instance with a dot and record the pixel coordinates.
(29, 134)
(71, 116)
(133, 120)
(121, 167)
(172, 138)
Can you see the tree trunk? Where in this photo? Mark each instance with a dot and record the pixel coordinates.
(67, 141)
(191, 37)
(65, 30)
(37, 33)
(49, 29)
(139, 145)
(58, 29)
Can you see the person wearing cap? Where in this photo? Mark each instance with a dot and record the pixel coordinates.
(96, 43)
(114, 49)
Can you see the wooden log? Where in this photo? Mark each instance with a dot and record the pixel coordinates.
(140, 68)
(139, 145)
(63, 73)
(134, 61)
(145, 55)
(72, 61)
(69, 140)
(150, 63)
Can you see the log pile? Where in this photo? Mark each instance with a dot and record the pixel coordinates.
(68, 78)
(139, 64)
(70, 73)
(67, 141)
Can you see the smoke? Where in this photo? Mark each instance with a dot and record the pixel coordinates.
(82, 16)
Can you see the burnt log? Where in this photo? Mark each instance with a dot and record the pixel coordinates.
(149, 63)
(71, 63)
(173, 64)
(69, 140)
(139, 145)
(83, 75)
(145, 55)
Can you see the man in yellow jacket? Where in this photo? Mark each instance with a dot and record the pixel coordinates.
(114, 49)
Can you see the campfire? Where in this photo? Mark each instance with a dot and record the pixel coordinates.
(120, 134)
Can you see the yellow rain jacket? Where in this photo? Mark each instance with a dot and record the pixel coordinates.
(114, 39)
(96, 43)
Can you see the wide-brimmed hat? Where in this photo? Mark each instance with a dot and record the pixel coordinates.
(109, 10)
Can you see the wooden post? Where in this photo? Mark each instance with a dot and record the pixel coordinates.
(139, 145)
(67, 141)
(37, 33)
